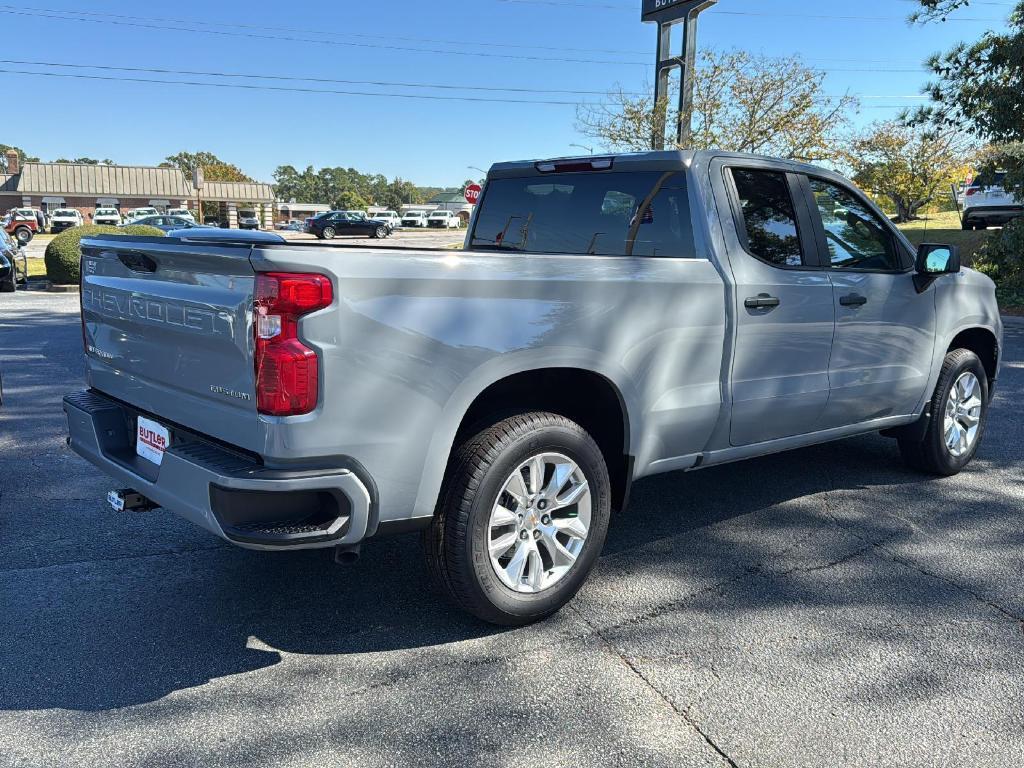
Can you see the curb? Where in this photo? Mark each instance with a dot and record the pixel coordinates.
(62, 289)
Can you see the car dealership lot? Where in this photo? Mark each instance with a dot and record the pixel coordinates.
(823, 606)
(402, 238)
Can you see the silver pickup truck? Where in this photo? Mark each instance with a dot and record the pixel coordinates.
(610, 318)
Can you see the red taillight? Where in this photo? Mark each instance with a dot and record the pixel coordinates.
(287, 371)
(973, 191)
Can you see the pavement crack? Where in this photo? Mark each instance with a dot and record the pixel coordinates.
(682, 712)
(879, 546)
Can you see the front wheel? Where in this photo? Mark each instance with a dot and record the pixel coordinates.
(959, 409)
(23, 235)
(380, 233)
(521, 519)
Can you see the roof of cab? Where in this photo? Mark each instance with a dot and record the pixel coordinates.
(667, 160)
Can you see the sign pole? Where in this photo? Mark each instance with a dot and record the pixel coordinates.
(668, 14)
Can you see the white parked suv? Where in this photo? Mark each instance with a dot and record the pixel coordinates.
(987, 203)
(391, 217)
(414, 219)
(140, 213)
(109, 216)
(65, 218)
(444, 219)
(182, 213)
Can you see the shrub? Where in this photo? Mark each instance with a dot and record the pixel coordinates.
(65, 250)
(1002, 259)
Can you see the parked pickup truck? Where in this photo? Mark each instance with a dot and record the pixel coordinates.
(611, 318)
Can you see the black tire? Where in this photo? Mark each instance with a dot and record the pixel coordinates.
(328, 233)
(380, 233)
(456, 542)
(930, 454)
(9, 283)
(966, 226)
(23, 235)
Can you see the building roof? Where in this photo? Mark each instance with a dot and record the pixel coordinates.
(86, 180)
(240, 191)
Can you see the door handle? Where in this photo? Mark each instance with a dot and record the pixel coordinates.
(853, 300)
(761, 301)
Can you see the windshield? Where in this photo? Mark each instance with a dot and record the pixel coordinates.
(414, 215)
(64, 214)
(439, 214)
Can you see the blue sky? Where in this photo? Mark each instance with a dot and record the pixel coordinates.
(482, 43)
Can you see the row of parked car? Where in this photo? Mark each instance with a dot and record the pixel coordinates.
(332, 224)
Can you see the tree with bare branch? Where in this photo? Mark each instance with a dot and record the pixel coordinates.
(742, 103)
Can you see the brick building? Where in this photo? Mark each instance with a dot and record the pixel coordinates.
(50, 186)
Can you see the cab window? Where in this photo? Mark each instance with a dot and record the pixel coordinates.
(855, 237)
(769, 218)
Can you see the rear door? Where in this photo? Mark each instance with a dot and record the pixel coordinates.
(167, 327)
(885, 329)
(785, 316)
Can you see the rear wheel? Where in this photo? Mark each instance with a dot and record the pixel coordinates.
(959, 409)
(23, 235)
(521, 519)
(328, 233)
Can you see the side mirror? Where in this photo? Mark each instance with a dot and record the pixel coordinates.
(934, 259)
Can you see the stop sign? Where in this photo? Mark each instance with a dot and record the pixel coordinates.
(473, 193)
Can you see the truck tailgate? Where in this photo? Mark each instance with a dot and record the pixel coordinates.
(167, 327)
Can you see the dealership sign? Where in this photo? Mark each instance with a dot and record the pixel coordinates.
(670, 10)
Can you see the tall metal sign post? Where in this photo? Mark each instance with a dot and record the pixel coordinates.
(668, 14)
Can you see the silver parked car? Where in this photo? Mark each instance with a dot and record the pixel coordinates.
(611, 318)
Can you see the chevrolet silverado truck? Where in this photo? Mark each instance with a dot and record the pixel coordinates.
(609, 319)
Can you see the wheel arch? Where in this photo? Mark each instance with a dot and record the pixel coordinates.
(982, 342)
(582, 391)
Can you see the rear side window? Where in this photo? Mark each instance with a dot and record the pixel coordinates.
(601, 214)
(769, 219)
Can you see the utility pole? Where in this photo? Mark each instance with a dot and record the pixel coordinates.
(668, 14)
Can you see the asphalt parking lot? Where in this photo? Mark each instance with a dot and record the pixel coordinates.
(821, 607)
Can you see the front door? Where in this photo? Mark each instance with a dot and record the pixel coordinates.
(885, 329)
(785, 315)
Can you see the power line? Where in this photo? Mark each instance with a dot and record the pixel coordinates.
(304, 79)
(719, 11)
(64, 16)
(198, 27)
(315, 79)
(330, 92)
(283, 89)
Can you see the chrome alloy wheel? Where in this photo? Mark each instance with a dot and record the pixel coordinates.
(539, 523)
(963, 414)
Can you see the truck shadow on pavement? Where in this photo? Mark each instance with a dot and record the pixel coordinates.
(90, 622)
(110, 633)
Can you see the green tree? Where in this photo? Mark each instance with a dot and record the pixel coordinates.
(979, 87)
(214, 169)
(910, 166)
(350, 200)
(742, 102)
(85, 161)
